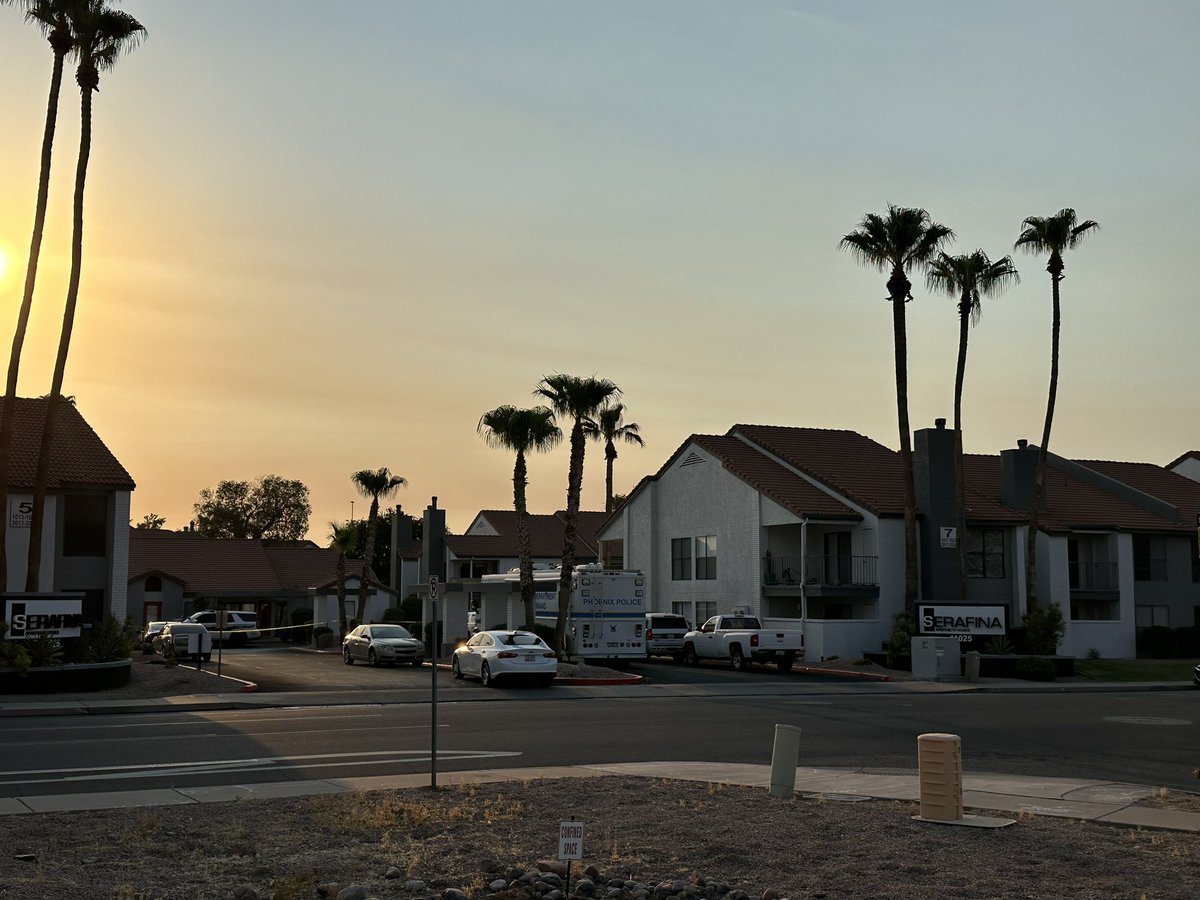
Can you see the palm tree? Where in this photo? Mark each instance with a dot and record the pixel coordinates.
(50, 16)
(968, 278)
(580, 400)
(374, 484)
(343, 539)
(610, 429)
(102, 34)
(903, 240)
(524, 431)
(1054, 235)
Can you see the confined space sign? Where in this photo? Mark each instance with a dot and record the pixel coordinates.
(961, 619)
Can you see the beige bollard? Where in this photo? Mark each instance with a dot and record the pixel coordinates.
(785, 755)
(939, 759)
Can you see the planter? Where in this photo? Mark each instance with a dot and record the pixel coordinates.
(70, 677)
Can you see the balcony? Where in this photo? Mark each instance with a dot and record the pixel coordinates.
(1093, 576)
(820, 573)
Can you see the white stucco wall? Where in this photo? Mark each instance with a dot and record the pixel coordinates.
(843, 638)
(16, 544)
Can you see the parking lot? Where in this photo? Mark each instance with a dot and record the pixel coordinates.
(286, 667)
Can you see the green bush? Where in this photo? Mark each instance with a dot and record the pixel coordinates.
(410, 606)
(1036, 668)
(1156, 642)
(1187, 641)
(44, 651)
(13, 655)
(109, 642)
(900, 640)
(1044, 628)
(394, 614)
(998, 646)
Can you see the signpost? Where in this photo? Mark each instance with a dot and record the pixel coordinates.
(570, 846)
(433, 658)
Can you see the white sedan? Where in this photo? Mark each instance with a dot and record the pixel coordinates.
(490, 655)
(379, 644)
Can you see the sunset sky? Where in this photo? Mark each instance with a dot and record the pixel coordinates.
(326, 237)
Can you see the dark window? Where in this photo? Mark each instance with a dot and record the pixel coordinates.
(985, 553)
(681, 559)
(706, 557)
(85, 525)
(153, 583)
(1149, 558)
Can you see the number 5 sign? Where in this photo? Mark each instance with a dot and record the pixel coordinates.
(570, 840)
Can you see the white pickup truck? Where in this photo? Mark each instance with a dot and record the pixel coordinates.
(742, 640)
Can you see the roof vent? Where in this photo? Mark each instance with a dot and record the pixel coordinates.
(692, 459)
(1022, 444)
(940, 423)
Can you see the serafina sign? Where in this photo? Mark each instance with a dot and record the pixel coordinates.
(56, 617)
(961, 619)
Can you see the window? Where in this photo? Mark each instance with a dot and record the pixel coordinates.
(85, 525)
(681, 559)
(1147, 616)
(705, 609)
(153, 584)
(1149, 558)
(706, 557)
(985, 553)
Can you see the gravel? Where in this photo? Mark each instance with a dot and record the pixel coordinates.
(645, 839)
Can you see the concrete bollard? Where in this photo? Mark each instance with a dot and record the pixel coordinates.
(939, 759)
(785, 755)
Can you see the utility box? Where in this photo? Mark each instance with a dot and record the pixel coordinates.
(937, 657)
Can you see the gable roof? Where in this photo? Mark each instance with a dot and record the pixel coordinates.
(545, 535)
(78, 458)
(1191, 454)
(207, 565)
(858, 468)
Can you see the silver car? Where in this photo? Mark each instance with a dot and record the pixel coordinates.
(379, 644)
(505, 654)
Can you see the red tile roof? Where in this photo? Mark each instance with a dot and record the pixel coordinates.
(78, 458)
(205, 565)
(1160, 483)
(854, 466)
(545, 535)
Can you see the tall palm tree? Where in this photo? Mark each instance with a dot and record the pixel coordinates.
(580, 400)
(903, 240)
(1053, 235)
(343, 539)
(375, 484)
(51, 17)
(102, 34)
(524, 431)
(967, 277)
(610, 428)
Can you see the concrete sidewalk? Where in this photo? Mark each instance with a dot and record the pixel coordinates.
(1099, 801)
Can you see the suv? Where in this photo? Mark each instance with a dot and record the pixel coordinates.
(240, 626)
(664, 634)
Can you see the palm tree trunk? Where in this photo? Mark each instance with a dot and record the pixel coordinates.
(368, 556)
(1054, 267)
(574, 486)
(610, 456)
(64, 345)
(899, 287)
(341, 594)
(524, 553)
(14, 359)
(960, 496)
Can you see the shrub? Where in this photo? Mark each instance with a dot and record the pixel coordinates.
(44, 651)
(998, 646)
(109, 642)
(1187, 641)
(1044, 628)
(1093, 653)
(410, 606)
(1036, 668)
(1156, 642)
(323, 636)
(393, 614)
(900, 640)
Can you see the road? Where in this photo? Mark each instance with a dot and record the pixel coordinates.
(717, 715)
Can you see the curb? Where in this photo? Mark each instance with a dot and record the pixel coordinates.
(842, 673)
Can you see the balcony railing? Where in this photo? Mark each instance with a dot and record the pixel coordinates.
(1093, 576)
(828, 571)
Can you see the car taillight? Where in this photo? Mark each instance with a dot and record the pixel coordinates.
(649, 634)
(550, 655)
(506, 654)
(754, 640)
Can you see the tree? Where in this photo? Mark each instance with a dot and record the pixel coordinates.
(522, 431)
(580, 400)
(374, 484)
(1053, 235)
(102, 34)
(343, 539)
(609, 428)
(968, 278)
(903, 240)
(52, 19)
(273, 508)
(151, 522)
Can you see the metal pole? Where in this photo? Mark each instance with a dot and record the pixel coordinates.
(433, 657)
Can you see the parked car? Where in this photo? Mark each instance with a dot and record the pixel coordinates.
(149, 633)
(379, 644)
(490, 655)
(1196, 676)
(240, 626)
(664, 634)
(187, 638)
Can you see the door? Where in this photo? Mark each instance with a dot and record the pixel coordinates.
(151, 611)
(838, 560)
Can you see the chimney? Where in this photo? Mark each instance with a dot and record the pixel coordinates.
(933, 470)
(1018, 470)
(433, 543)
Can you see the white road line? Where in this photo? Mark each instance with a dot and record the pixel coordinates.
(156, 724)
